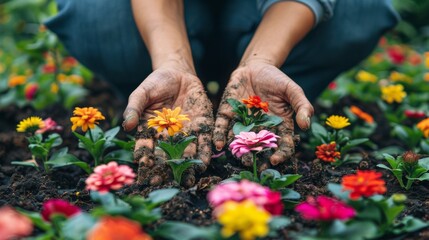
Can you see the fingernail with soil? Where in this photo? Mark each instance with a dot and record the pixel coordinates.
(127, 119)
(308, 122)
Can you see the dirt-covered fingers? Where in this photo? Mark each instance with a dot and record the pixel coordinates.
(286, 143)
(300, 104)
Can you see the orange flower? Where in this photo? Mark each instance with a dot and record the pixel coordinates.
(361, 114)
(426, 77)
(16, 80)
(327, 152)
(170, 119)
(256, 102)
(364, 183)
(85, 117)
(117, 228)
(423, 125)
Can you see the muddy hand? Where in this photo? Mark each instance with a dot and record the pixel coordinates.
(169, 88)
(283, 95)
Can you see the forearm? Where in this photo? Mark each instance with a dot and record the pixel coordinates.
(162, 26)
(283, 25)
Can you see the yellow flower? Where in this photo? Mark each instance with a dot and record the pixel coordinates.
(427, 59)
(426, 77)
(400, 77)
(364, 76)
(2, 68)
(170, 119)
(85, 117)
(30, 124)
(76, 79)
(393, 93)
(16, 80)
(424, 127)
(54, 88)
(337, 122)
(244, 218)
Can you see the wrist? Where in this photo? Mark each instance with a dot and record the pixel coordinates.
(178, 60)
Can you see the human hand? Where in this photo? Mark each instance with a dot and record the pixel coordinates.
(273, 86)
(169, 87)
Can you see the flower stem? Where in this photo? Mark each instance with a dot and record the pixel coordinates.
(255, 171)
(90, 135)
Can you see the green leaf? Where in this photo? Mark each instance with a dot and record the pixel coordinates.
(67, 160)
(111, 133)
(246, 175)
(235, 104)
(338, 191)
(354, 231)
(36, 219)
(38, 150)
(183, 231)
(53, 140)
(109, 201)
(269, 174)
(284, 181)
(76, 227)
(391, 160)
(279, 222)
(98, 147)
(240, 127)
(86, 142)
(180, 165)
(288, 194)
(410, 224)
(162, 195)
(424, 177)
(319, 131)
(119, 155)
(380, 165)
(270, 121)
(27, 164)
(424, 163)
(175, 150)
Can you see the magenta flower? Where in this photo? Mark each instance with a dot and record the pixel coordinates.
(323, 208)
(30, 91)
(246, 190)
(110, 176)
(49, 126)
(13, 225)
(58, 206)
(250, 141)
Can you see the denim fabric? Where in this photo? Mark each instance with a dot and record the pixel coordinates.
(103, 36)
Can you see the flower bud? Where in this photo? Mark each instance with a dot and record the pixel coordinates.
(410, 157)
(399, 198)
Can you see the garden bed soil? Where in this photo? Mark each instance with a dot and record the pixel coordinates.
(27, 188)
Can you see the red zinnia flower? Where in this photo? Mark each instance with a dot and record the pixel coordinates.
(414, 114)
(396, 54)
(328, 152)
(323, 208)
(30, 91)
(364, 183)
(60, 207)
(256, 102)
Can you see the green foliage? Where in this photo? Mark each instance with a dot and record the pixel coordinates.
(247, 119)
(410, 172)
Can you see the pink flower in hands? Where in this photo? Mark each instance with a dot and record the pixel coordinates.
(246, 190)
(60, 207)
(246, 142)
(323, 208)
(13, 225)
(50, 125)
(110, 176)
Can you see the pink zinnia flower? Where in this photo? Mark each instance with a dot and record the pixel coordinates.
(323, 208)
(110, 176)
(250, 141)
(49, 125)
(246, 190)
(13, 225)
(60, 207)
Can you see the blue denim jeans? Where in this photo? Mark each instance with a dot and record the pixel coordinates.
(103, 36)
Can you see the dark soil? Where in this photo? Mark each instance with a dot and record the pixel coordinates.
(27, 188)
